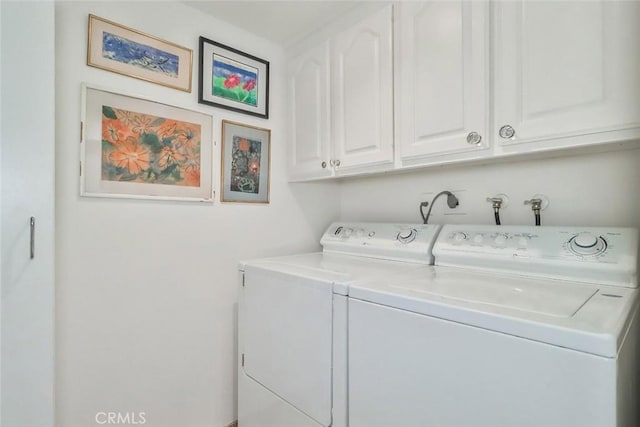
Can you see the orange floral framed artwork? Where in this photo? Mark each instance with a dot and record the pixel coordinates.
(137, 148)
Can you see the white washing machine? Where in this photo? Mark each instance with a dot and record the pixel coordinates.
(513, 326)
(292, 333)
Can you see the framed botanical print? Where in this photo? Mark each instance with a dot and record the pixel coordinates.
(137, 148)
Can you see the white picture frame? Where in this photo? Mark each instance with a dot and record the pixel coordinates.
(133, 147)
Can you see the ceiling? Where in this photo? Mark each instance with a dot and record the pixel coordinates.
(282, 22)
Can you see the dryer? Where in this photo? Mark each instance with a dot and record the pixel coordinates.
(513, 326)
(293, 321)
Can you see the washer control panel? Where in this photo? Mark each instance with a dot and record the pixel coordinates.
(404, 242)
(585, 254)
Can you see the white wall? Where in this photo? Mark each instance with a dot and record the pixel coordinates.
(27, 105)
(589, 189)
(147, 290)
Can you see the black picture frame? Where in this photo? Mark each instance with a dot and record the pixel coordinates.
(232, 79)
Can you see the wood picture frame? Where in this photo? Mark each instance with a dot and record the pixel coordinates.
(123, 50)
(246, 163)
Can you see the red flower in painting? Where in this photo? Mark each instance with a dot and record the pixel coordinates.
(248, 86)
(231, 81)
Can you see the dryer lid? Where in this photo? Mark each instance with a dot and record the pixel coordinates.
(338, 270)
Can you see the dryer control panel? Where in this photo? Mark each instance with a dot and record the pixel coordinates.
(400, 242)
(584, 254)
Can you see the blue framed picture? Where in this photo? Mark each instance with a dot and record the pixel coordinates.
(123, 50)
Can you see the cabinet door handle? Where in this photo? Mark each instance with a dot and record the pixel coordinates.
(474, 138)
(324, 165)
(32, 239)
(507, 132)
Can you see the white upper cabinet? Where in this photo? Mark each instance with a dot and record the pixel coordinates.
(471, 80)
(309, 129)
(363, 95)
(566, 73)
(442, 79)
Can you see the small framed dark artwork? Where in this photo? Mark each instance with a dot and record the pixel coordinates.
(246, 158)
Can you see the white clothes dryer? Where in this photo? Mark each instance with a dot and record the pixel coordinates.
(513, 326)
(292, 337)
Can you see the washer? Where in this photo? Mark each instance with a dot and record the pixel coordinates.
(293, 321)
(513, 326)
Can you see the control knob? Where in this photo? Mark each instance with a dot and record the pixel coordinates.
(587, 244)
(500, 240)
(406, 236)
(459, 237)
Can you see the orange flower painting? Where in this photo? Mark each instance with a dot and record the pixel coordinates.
(143, 148)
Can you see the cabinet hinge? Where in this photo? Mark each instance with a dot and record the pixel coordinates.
(80, 168)
(243, 280)
(81, 130)
(242, 359)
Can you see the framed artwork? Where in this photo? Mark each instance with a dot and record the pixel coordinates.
(123, 50)
(246, 158)
(233, 80)
(137, 148)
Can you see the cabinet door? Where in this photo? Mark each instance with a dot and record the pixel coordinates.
(363, 94)
(443, 80)
(308, 75)
(27, 132)
(566, 69)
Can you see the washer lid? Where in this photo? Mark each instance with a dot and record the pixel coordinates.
(583, 317)
(518, 293)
